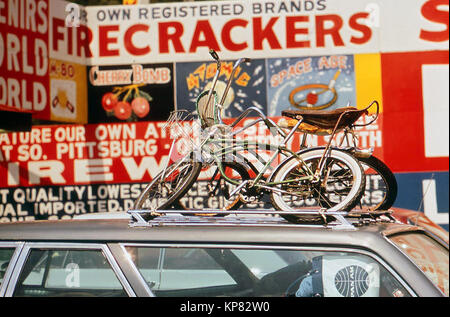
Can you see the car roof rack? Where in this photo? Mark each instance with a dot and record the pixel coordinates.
(336, 220)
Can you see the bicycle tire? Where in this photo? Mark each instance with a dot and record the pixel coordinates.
(234, 203)
(178, 186)
(388, 178)
(311, 156)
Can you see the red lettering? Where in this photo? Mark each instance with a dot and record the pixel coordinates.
(364, 29)
(431, 13)
(260, 34)
(104, 40)
(58, 32)
(65, 36)
(84, 39)
(321, 31)
(128, 40)
(70, 41)
(226, 35)
(203, 28)
(292, 31)
(175, 37)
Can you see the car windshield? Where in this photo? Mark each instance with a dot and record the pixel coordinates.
(430, 256)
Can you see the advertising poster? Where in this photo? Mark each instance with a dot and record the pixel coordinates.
(248, 87)
(24, 58)
(127, 93)
(69, 32)
(416, 108)
(183, 32)
(64, 170)
(315, 83)
(67, 67)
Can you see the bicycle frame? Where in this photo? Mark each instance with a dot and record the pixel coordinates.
(238, 145)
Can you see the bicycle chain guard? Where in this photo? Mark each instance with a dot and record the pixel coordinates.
(250, 194)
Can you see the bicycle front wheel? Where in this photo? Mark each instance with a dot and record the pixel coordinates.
(218, 189)
(340, 187)
(168, 186)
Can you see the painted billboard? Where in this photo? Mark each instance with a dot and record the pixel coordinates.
(185, 32)
(33, 76)
(313, 54)
(59, 170)
(24, 57)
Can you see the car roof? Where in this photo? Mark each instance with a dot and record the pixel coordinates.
(256, 230)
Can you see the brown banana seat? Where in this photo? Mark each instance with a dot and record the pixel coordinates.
(325, 120)
(304, 127)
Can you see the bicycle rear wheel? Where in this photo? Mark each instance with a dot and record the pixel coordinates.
(340, 187)
(381, 185)
(168, 186)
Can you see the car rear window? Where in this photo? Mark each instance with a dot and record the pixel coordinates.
(430, 256)
(197, 272)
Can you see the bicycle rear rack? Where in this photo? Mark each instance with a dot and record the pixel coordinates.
(331, 219)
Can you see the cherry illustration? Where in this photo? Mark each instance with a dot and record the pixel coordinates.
(127, 102)
(123, 110)
(109, 101)
(140, 107)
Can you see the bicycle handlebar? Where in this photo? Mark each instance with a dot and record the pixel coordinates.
(214, 55)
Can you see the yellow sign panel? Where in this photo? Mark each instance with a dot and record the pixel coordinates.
(68, 92)
(368, 80)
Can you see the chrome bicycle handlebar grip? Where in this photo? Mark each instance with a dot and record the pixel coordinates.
(214, 55)
(216, 76)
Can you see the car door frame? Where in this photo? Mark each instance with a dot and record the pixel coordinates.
(18, 246)
(130, 270)
(26, 248)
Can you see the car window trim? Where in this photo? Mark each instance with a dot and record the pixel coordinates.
(18, 246)
(28, 246)
(366, 252)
